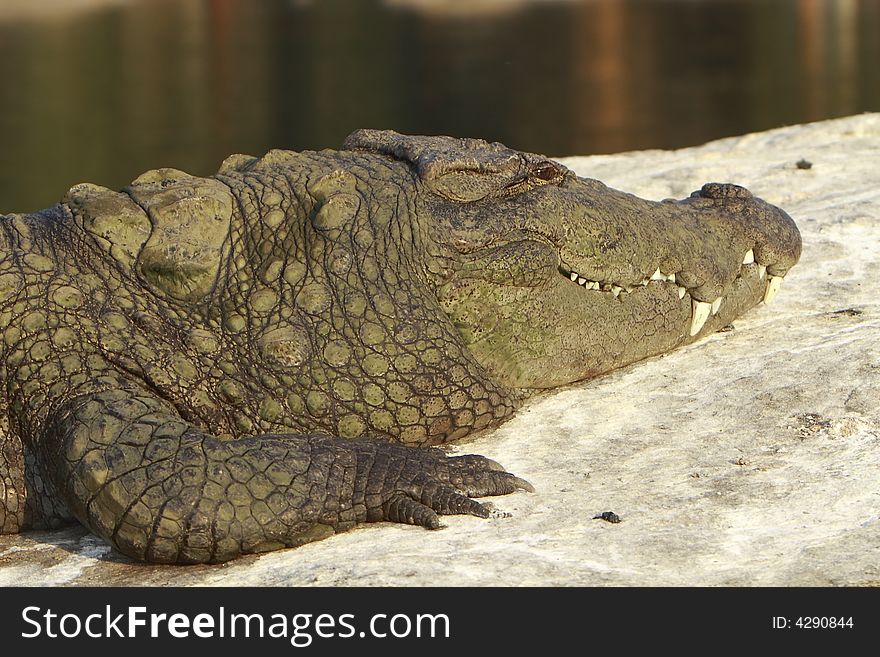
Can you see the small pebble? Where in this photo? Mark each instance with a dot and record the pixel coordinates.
(608, 516)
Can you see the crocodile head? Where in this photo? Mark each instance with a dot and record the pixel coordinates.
(551, 278)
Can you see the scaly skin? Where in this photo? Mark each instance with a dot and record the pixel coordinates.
(197, 368)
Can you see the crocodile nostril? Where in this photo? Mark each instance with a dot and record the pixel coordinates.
(723, 191)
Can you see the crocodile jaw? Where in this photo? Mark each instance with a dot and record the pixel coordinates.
(700, 310)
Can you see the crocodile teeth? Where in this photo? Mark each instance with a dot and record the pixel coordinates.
(762, 269)
(773, 285)
(681, 292)
(585, 283)
(701, 311)
(749, 258)
(660, 276)
(716, 305)
(616, 290)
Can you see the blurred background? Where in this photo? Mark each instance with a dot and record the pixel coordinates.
(102, 90)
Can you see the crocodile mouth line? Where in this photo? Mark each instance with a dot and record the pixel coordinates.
(700, 310)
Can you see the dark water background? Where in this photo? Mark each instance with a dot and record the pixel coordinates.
(105, 93)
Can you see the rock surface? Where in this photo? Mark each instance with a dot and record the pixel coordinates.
(749, 458)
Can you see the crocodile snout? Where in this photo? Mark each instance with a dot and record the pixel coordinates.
(722, 250)
(774, 235)
(766, 236)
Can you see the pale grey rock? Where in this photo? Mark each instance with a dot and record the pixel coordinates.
(749, 458)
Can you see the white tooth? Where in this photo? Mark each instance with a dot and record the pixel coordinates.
(645, 282)
(628, 289)
(681, 292)
(762, 269)
(701, 311)
(749, 257)
(592, 285)
(670, 278)
(581, 281)
(658, 275)
(773, 285)
(616, 290)
(574, 276)
(716, 305)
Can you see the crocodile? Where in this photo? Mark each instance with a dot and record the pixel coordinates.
(198, 368)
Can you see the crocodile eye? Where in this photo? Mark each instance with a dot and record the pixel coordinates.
(546, 171)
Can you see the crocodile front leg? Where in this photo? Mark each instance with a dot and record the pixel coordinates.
(162, 490)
